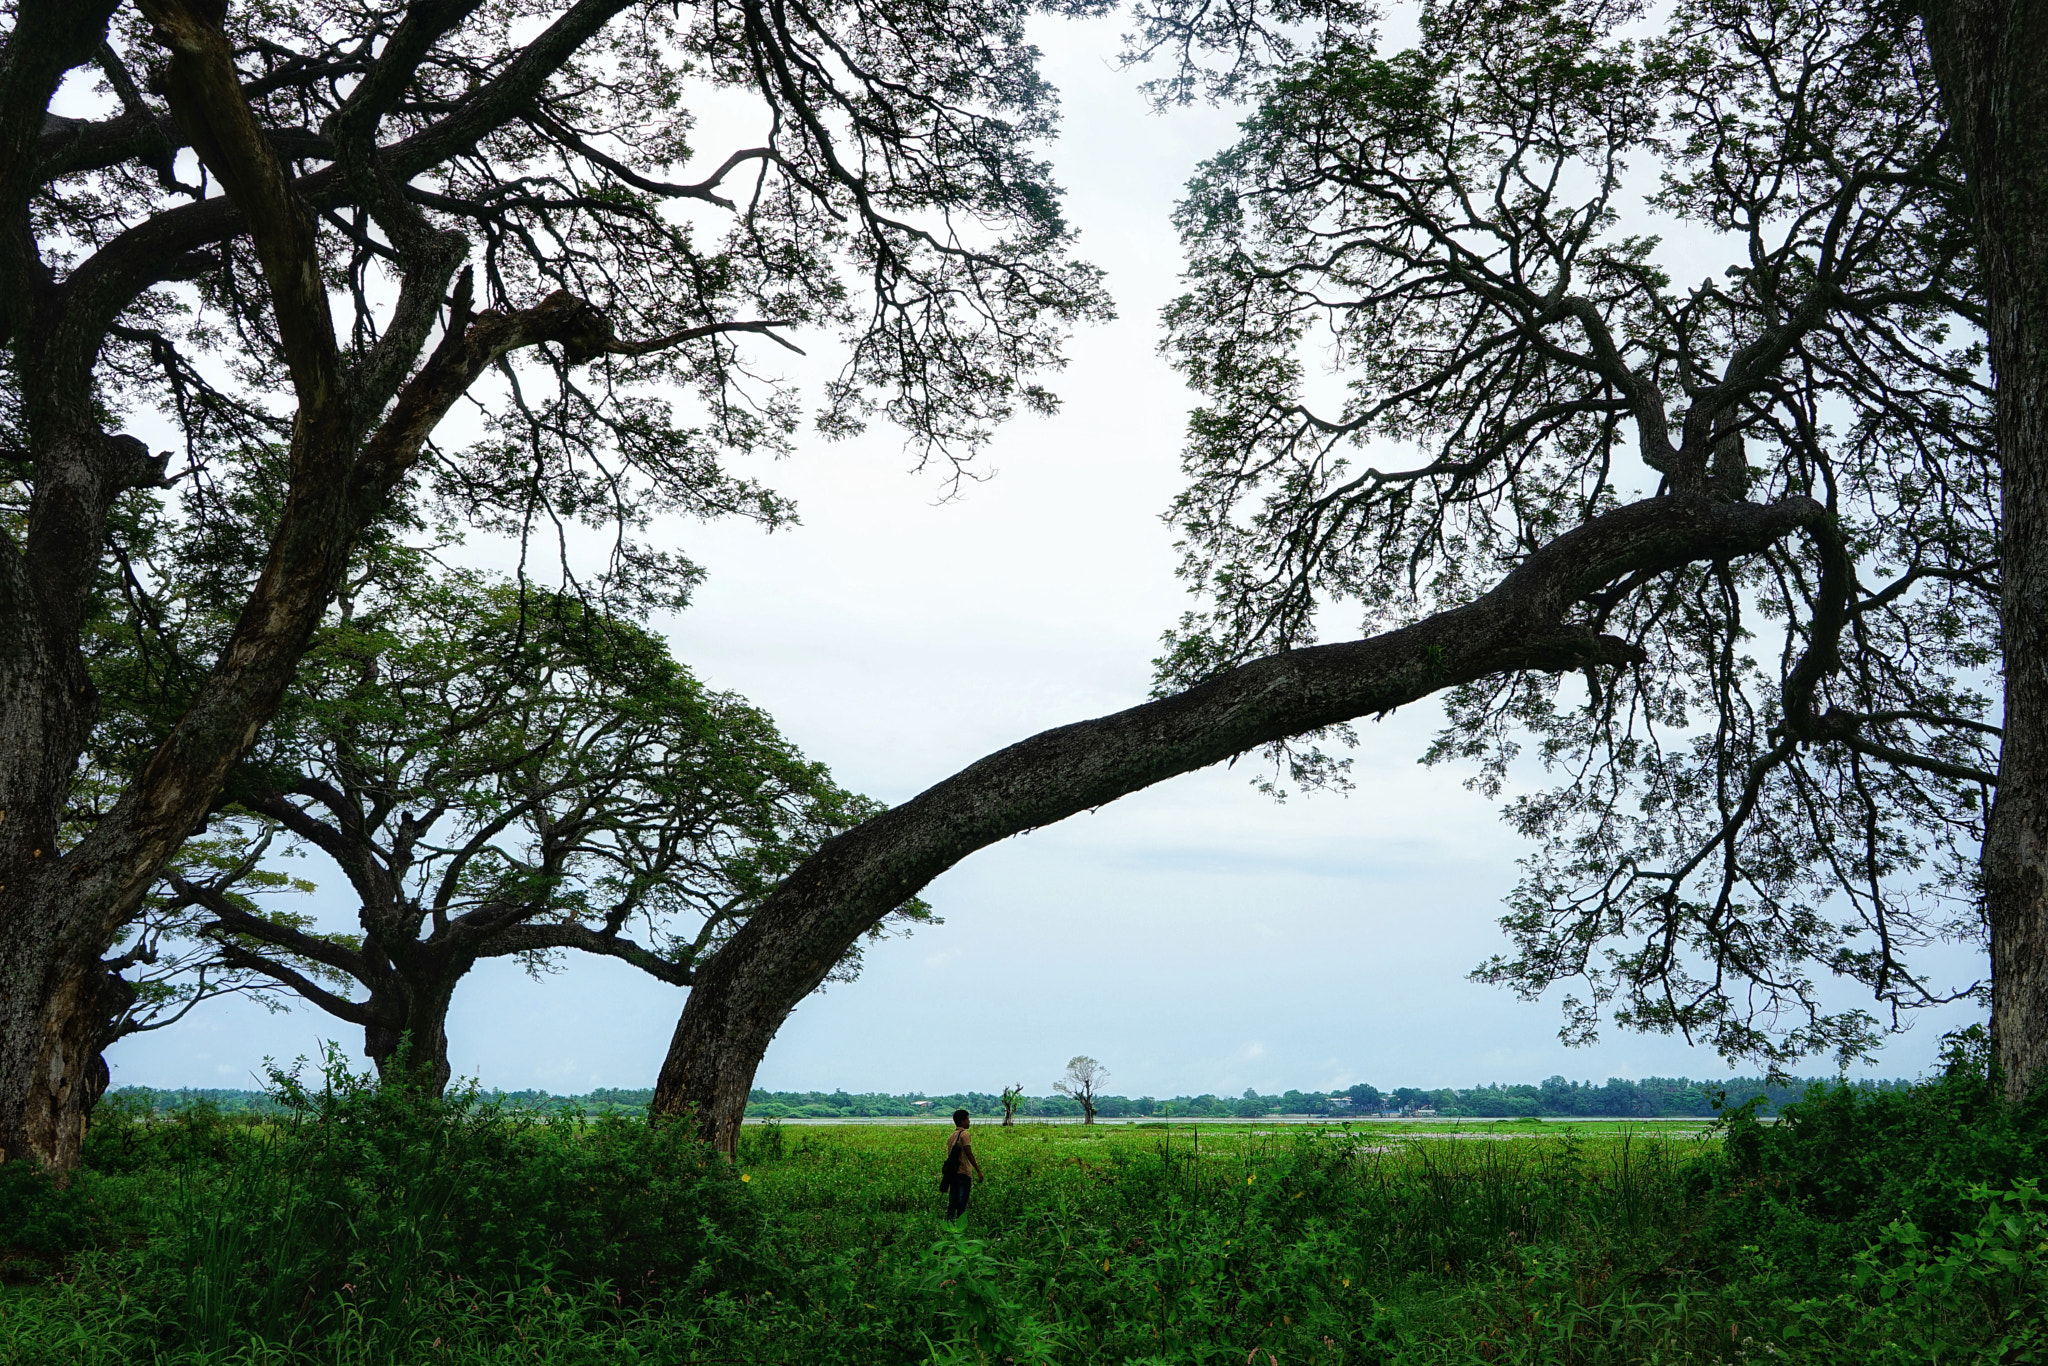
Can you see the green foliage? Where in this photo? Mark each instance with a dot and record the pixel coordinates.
(1989, 1282)
(976, 1314)
(129, 1135)
(40, 1217)
(1435, 331)
(372, 1224)
(1617, 1098)
(1842, 1164)
(380, 1210)
(539, 774)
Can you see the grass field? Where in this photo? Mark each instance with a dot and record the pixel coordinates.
(829, 1174)
(374, 1227)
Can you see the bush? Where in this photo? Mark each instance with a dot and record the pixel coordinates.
(1812, 1190)
(1984, 1295)
(382, 1206)
(371, 1223)
(42, 1218)
(128, 1135)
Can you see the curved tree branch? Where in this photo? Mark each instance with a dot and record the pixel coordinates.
(517, 939)
(742, 995)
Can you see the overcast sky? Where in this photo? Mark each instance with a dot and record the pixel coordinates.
(1195, 937)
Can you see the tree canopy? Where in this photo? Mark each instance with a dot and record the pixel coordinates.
(1787, 779)
(1757, 512)
(296, 239)
(1766, 508)
(502, 774)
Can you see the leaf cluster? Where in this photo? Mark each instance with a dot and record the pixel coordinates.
(1436, 317)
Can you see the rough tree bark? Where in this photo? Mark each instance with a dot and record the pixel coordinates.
(1992, 56)
(60, 912)
(418, 1025)
(745, 992)
(58, 915)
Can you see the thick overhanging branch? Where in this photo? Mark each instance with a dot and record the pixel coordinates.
(425, 23)
(430, 258)
(1520, 625)
(792, 941)
(105, 876)
(234, 920)
(467, 349)
(517, 939)
(354, 1012)
(49, 37)
(344, 840)
(205, 95)
(508, 95)
(69, 146)
(107, 281)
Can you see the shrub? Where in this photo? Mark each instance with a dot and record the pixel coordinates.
(42, 1218)
(128, 1135)
(1823, 1183)
(382, 1204)
(1984, 1296)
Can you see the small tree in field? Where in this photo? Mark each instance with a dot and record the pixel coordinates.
(1083, 1081)
(1013, 1096)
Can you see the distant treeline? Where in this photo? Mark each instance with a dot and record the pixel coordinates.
(1618, 1098)
(228, 1102)
(604, 1100)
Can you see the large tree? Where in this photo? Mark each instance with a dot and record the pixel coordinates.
(305, 234)
(1726, 549)
(494, 774)
(1992, 56)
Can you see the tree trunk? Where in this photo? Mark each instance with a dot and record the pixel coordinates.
(57, 922)
(779, 956)
(409, 1039)
(54, 1026)
(58, 916)
(1992, 59)
(50, 1031)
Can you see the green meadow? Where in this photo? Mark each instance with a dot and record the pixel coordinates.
(370, 1225)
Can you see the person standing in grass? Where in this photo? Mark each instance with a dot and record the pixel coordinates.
(953, 1178)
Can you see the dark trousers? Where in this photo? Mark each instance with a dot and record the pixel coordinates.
(957, 1187)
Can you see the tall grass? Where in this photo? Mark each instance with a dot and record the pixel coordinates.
(370, 1226)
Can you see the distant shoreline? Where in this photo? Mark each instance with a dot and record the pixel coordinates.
(1177, 1121)
(1555, 1101)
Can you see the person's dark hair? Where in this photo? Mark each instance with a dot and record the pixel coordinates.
(960, 1116)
